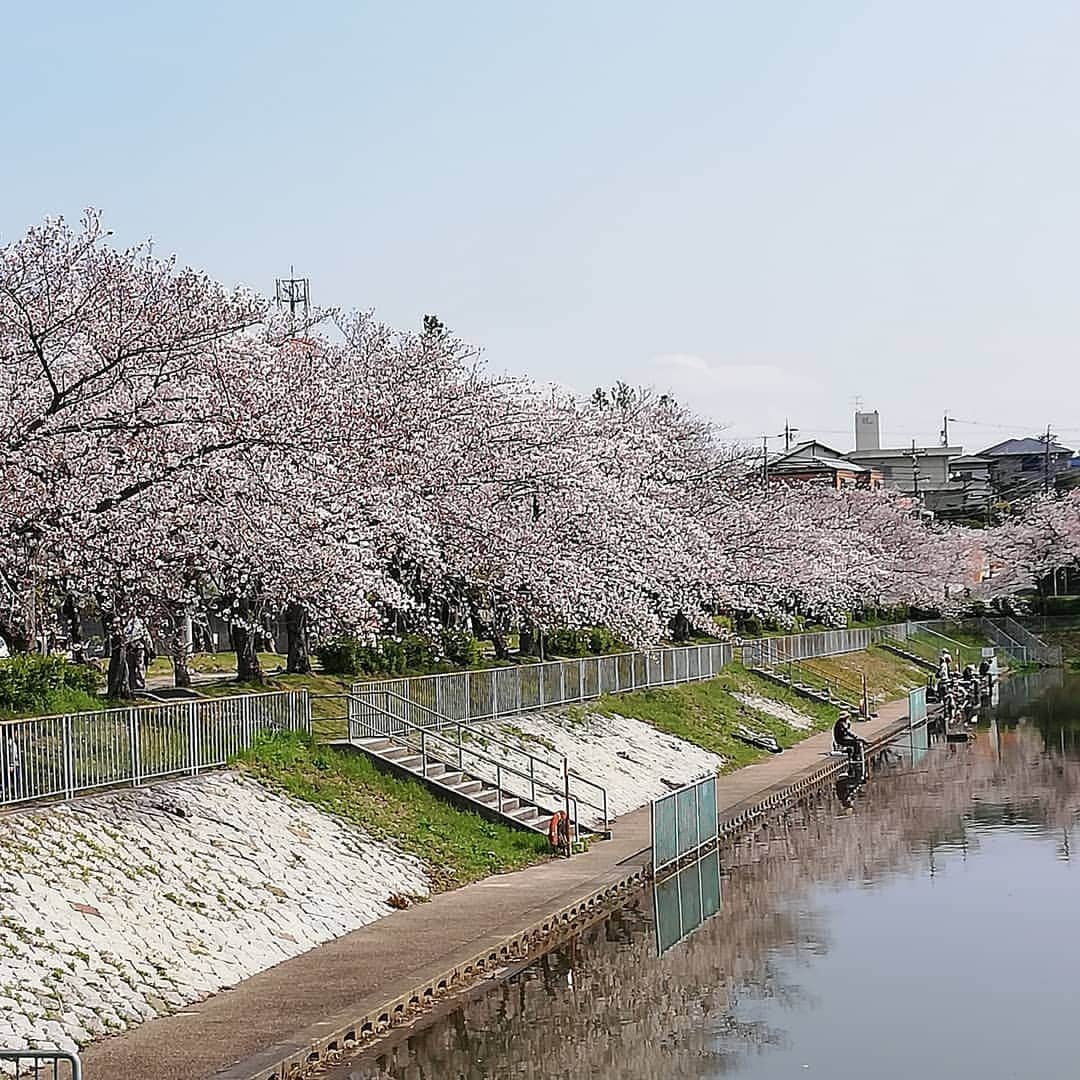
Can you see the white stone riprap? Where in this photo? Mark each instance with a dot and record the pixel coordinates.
(117, 909)
(632, 759)
(776, 709)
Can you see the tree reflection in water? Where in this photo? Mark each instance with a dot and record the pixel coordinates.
(607, 1007)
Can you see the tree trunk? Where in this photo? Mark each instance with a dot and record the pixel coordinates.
(75, 634)
(119, 677)
(498, 639)
(527, 640)
(680, 627)
(181, 650)
(243, 637)
(298, 661)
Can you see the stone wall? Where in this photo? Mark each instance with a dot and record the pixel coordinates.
(124, 907)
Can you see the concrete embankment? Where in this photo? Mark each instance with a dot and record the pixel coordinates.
(308, 1008)
(133, 905)
(125, 907)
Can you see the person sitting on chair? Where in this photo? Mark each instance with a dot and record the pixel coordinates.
(843, 736)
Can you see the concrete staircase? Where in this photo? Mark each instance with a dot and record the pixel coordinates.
(473, 765)
(813, 687)
(463, 785)
(805, 690)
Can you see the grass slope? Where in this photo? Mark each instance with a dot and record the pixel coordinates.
(887, 674)
(706, 713)
(456, 846)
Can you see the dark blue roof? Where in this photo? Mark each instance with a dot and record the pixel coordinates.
(1023, 446)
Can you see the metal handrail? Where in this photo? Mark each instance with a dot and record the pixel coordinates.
(38, 1058)
(962, 651)
(830, 679)
(426, 735)
(446, 721)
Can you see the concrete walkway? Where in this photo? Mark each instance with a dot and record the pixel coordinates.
(247, 1031)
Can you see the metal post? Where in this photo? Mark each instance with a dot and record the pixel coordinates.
(498, 785)
(532, 778)
(566, 796)
(133, 742)
(193, 757)
(423, 752)
(69, 783)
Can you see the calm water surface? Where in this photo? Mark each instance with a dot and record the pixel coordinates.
(934, 932)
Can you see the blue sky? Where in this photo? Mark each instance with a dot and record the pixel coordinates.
(767, 208)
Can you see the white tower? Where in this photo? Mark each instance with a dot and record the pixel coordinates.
(867, 431)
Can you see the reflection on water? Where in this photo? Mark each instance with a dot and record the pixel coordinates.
(684, 900)
(932, 932)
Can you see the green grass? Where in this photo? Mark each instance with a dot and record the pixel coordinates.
(456, 846)
(219, 663)
(62, 700)
(887, 675)
(706, 714)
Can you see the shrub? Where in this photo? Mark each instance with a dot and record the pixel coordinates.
(393, 655)
(340, 657)
(30, 682)
(460, 648)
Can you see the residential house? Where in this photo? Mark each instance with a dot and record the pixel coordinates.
(816, 463)
(1023, 466)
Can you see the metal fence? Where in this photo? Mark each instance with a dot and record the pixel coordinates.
(1039, 650)
(40, 1064)
(465, 696)
(767, 652)
(61, 756)
(682, 823)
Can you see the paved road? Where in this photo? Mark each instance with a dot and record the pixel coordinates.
(275, 1013)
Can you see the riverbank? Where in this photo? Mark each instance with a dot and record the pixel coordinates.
(304, 1008)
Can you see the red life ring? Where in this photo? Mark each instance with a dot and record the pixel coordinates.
(558, 828)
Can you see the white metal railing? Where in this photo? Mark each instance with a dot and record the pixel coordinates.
(768, 652)
(41, 1064)
(513, 771)
(1005, 642)
(45, 757)
(1038, 649)
(490, 693)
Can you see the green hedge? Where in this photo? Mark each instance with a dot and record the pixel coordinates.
(30, 682)
(409, 654)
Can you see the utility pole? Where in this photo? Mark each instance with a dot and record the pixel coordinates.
(765, 459)
(788, 432)
(914, 454)
(945, 430)
(1046, 459)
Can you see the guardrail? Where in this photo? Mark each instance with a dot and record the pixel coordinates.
(1004, 641)
(49, 757)
(41, 1064)
(491, 693)
(768, 652)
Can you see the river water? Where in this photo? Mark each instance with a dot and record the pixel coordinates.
(932, 932)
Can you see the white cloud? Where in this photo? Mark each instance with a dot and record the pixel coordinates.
(684, 368)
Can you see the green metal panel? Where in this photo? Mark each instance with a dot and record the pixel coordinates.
(710, 884)
(668, 913)
(664, 843)
(707, 819)
(686, 811)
